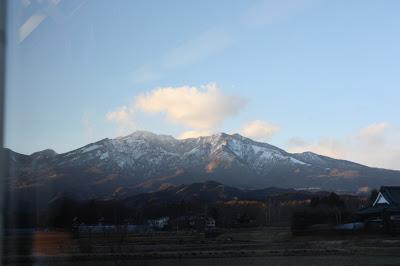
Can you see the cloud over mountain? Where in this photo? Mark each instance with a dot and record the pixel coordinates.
(260, 130)
(124, 117)
(205, 107)
(199, 109)
(377, 144)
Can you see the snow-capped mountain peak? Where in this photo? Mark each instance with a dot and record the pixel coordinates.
(144, 160)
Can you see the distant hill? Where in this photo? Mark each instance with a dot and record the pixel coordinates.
(211, 192)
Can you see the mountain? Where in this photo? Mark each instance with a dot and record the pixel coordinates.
(145, 162)
(211, 192)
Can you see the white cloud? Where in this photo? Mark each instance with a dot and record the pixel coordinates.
(191, 51)
(199, 108)
(198, 48)
(374, 134)
(194, 134)
(124, 117)
(259, 130)
(325, 146)
(375, 145)
(215, 39)
(268, 12)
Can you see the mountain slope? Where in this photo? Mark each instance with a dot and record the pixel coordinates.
(145, 162)
(211, 192)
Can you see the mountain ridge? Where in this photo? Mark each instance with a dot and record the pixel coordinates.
(211, 192)
(144, 161)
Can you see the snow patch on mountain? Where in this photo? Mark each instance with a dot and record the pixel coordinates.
(91, 148)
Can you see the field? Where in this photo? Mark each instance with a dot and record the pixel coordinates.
(265, 246)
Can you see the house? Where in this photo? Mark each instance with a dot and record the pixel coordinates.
(209, 223)
(389, 196)
(384, 214)
(159, 223)
(388, 200)
(96, 229)
(195, 222)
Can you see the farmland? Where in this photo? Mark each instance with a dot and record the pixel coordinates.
(270, 246)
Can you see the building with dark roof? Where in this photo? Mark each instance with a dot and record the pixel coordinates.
(388, 196)
(388, 199)
(384, 214)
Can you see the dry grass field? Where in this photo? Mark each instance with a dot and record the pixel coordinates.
(261, 246)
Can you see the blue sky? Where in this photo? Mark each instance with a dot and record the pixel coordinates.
(302, 75)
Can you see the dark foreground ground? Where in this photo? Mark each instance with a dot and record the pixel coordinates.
(262, 246)
(239, 261)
